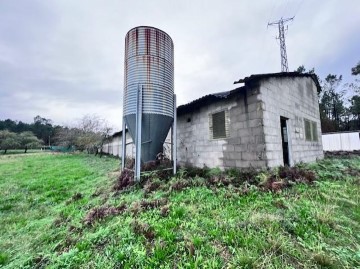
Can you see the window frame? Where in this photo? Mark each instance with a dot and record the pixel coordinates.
(310, 129)
(226, 124)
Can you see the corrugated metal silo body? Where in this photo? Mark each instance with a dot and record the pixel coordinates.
(149, 63)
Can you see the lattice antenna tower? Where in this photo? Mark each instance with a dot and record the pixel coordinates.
(280, 23)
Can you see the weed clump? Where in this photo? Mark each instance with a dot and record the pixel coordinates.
(286, 177)
(151, 185)
(153, 204)
(126, 179)
(143, 229)
(99, 213)
(342, 154)
(296, 174)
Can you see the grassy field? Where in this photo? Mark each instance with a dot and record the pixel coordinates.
(61, 211)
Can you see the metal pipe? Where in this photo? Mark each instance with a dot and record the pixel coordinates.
(138, 133)
(123, 149)
(174, 144)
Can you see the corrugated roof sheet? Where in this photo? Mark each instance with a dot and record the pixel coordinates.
(281, 74)
(207, 99)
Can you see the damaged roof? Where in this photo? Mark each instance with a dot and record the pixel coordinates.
(258, 77)
(206, 100)
(211, 98)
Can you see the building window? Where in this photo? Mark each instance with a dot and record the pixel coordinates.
(310, 130)
(219, 124)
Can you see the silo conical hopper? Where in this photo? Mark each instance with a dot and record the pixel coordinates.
(149, 64)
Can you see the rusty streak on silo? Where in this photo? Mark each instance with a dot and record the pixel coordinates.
(149, 64)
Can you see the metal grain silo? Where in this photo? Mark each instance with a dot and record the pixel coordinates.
(149, 66)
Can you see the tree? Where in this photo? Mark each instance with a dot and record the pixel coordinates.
(355, 111)
(42, 128)
(93, 133)
(8, 140)
(301, 69)
(67, 136)
(332, 109)
(89, 133)
(356, 69)
(28, 140)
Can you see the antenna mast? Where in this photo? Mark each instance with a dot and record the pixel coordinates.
(280, 23)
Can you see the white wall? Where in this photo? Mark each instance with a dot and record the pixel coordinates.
(341, 141)
(114, 147)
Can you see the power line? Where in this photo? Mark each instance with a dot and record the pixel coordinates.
(284, 61)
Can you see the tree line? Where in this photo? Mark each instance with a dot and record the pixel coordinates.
(89, 134)
(339, 103)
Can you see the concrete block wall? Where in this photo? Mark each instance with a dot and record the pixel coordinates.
(245, 146)
(194, 145)
(295, 99)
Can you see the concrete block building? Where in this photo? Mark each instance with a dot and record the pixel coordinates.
(271, 120)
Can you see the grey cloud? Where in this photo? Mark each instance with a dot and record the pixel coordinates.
(62, 59)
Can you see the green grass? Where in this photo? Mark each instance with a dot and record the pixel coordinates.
(45, 198)
(20, 151)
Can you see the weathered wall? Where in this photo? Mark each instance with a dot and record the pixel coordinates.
(245, 146)
(295, 99)
(195, 147)
(114, 147)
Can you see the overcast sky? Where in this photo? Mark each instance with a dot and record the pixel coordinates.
(62, 59)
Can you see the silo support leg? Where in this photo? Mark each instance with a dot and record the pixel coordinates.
(174, 144)
(123, 147)
(138, 134)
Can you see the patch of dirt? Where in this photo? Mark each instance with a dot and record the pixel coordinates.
(99, 213)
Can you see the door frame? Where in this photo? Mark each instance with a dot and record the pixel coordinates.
(284, 122)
